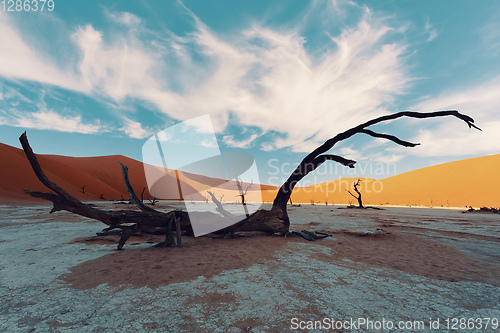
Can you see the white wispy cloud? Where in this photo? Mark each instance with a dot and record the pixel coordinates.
(489, 34)
(452, 137)
(125, 18)
(19, 60)
(430, 30)
(118, 69)
(230, 141)
(50, 120)
(209, 143)
(12, 96)
(269, 80)
(350, 153)
(18, 110)
(264, 77)
(134, 129)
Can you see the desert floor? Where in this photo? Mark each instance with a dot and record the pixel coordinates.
(397, 264)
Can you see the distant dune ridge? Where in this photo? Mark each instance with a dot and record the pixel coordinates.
(471, 182)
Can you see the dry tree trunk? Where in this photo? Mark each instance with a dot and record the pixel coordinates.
(219, 208)
(145, 220)
(128, 221)
(318, 156)
(360, 202)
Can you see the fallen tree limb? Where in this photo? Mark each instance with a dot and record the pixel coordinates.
(128, 221)
(146, 220)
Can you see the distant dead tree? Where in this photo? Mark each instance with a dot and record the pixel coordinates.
(312, 202)
(142, 194)
(218, 203)
(101, 196)
(275, 220)
(358, 197)
(153, 202)
(291, 203)
(243, 191)
(82, 189)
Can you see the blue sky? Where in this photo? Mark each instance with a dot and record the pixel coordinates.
(277, 78)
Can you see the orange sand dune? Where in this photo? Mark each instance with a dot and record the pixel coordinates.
(333, 192)
(470, 182)
(68, 172)
(462, 183)
(99, 175)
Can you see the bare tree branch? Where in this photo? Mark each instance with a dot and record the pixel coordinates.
(133, 196)
(355, 197)
(41, 175)
(411, 114)
(308, 163)
(389, 137)
(219, 208)
(323, 158)
(128, 221)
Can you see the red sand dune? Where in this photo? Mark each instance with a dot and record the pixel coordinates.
(457, 184)
(99, 175)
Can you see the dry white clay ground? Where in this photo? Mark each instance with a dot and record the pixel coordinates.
(423, 264)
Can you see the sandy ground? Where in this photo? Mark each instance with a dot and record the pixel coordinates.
(399, 264)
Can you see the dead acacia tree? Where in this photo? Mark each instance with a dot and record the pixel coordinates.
(82, 189)
(146, 219)
(319, 156)
(129, 222)
(243, 191)
(358, 197)
(218, 203)
(275, 220)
